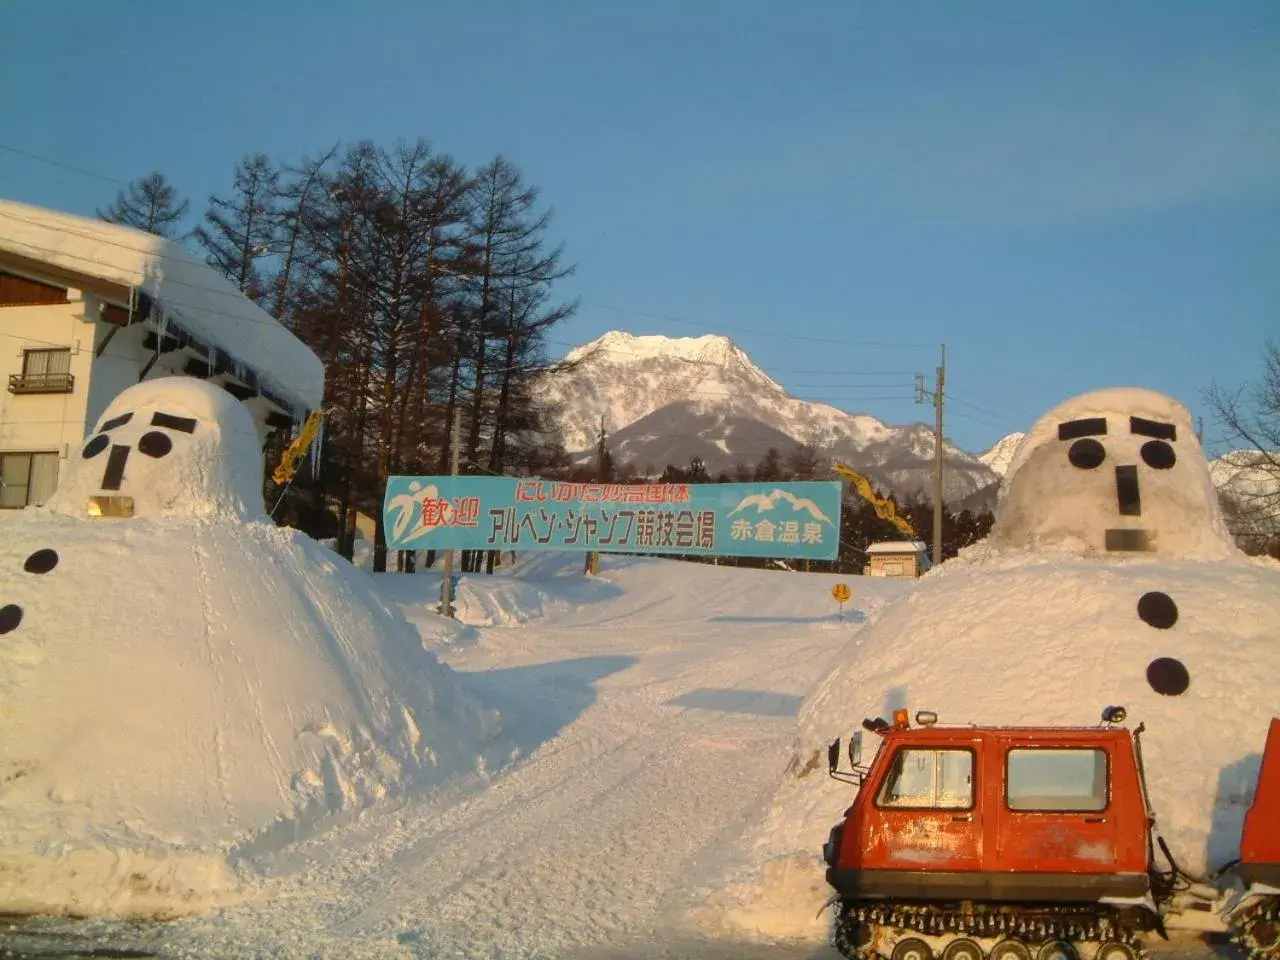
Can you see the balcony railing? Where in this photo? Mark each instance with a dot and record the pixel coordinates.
(41, 383)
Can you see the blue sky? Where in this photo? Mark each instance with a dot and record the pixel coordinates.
(1069, 195)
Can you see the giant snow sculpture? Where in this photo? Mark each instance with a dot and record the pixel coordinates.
(1109, 579)
(1113, 472)
(180, 678)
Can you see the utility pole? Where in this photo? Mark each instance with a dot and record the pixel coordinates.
(446, 584)
(592, 566)
(1200, 430)
(936, 396)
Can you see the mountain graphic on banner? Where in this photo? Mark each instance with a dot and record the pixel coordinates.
(764, 502)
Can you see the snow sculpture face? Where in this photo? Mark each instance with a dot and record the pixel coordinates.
(176, 446)
(1113, 473)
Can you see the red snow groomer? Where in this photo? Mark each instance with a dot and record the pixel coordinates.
(1014, 843)
(1254, 915)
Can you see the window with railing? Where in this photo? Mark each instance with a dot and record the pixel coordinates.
(44, 371)
(27, 479)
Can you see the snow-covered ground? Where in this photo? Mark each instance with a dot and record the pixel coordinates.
(191, 680)
(654, 706)
(656, 709)
(213, 719)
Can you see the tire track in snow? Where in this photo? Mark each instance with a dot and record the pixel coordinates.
(264, 731)
(600, 817)
(204, 588)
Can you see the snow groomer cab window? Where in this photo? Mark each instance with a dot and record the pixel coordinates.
(928, 779)
(1057, 779)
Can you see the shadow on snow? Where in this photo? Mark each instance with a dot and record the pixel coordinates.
(760, 703)
(540, 700)
(851, 616)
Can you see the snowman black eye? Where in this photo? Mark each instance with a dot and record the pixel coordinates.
(1087, 454)
(96, 446)
(155, 444)
(1158, 455)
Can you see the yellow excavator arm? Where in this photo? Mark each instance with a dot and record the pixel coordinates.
(289, 459)
(884, 508)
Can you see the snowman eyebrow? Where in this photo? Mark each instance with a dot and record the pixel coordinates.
(114, 422)
(1074, 429)
(1153, 428)
(185, 424)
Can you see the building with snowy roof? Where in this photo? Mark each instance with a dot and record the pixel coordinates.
(88, 308)
(896, 558)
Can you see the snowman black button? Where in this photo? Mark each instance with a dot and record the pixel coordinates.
(42, 561)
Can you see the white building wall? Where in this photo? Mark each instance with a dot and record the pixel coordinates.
(43, 423)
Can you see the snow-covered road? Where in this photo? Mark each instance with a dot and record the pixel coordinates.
(654, 722)
(654, 710)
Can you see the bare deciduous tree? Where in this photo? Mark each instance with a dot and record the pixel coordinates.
(1250, 416)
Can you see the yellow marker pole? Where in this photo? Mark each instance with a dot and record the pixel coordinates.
(841, 593)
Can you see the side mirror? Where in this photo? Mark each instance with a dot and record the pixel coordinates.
(833, 755)
(855, 749)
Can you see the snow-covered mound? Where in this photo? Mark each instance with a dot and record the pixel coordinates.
(1045, 625)
(181, 683)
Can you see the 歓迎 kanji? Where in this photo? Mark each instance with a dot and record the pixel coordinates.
(466, 512)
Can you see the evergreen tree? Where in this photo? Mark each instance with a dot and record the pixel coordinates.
(770, 468)
(240, 231)
(148, 204)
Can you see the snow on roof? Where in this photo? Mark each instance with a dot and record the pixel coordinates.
(193, 298)
(897, 546)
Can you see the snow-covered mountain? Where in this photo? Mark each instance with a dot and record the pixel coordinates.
(1001, 453)
(666, 400)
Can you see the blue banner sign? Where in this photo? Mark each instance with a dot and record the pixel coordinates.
(800, 520)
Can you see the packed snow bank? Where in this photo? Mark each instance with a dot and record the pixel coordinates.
(524, 591)
(1043, 625)
(179, 683)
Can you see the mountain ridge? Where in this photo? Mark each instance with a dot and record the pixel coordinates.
(665, 400)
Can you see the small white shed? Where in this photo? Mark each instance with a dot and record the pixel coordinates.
(897, 558)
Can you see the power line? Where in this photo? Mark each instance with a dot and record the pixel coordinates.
(190, 260)
(59, 163)
(758, 333)
(993, 403)
(985, 413)
(597, 304)
(972, 419)
(590, 349)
